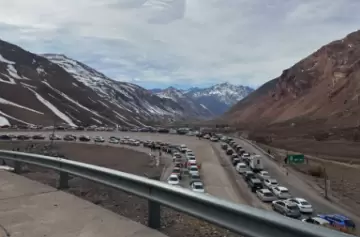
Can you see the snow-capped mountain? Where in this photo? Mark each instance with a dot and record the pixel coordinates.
(52, 88)
(190, 105)
(216, 99)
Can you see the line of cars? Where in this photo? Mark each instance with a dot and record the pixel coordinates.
(185, 165)
(267, 189)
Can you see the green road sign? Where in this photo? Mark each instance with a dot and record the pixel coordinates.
(296, 159)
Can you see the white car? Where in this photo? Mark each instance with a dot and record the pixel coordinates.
(265, 195)
(304, 206)
(269, 183)
(241, 168)
(214, 139)
(99, 139)
(197, 187)
(263, 175)
(281, 192)
(113, 141)
(189, 155)
(173, 179)
(193, 170)
(317, 221)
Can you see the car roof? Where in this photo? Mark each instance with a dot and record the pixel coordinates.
(256, 180)
(265, 190)
(300, 199)
(198, 183)
(320, 220)
(173, 175)
(282, 188)
(339, 216)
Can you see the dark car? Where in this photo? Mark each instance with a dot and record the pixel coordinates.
(224, 146)
(194, 178)
(163, 130)
(5, 137)
(249, 175)
(235, 161)
(23, 137)
(84, 138)
(255, 184)
(38, 137)
(229, 152)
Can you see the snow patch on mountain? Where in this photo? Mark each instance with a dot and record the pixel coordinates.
(4, 121)
(6, 102)
(56, 111)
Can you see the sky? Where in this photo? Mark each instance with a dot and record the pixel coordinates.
(182, 43)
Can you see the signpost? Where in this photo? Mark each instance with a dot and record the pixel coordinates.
(296, 159)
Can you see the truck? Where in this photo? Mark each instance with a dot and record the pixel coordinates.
(256, 164)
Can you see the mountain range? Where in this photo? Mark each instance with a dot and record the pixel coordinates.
(211, 101)
(54, 89)
(320, 92)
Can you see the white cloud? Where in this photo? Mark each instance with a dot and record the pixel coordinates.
(193, 42)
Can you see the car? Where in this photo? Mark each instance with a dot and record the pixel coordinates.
(84, 138)
(54, 137)
(38, 137)
(176, 155)
(69, 137)
(113, 140)
(99, 139)
(235, 161)
(269, 183)
(193, 170)
(214, 139)
(265, 195)
(177, 171)
(5, 137)
(229, 152)
(304, 206)
(224, 146)
(248, 175)
(206, 136)
(317, 221)
(340, 222)
(255, 184)
(191, 163)
(281, 192)
(241, 167)
(197, 187)
(23, 137)
(173, 179)
(194, 178)
(183, 148)
(263, 175)
(286, 208)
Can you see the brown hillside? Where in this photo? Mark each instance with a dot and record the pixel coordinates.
(322, 89)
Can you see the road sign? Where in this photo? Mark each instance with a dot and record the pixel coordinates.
(295, 159)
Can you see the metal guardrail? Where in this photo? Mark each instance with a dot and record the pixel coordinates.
(241, 219)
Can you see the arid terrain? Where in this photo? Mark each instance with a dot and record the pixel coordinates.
(174, 224)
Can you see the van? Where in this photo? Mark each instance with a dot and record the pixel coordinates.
(241, 168)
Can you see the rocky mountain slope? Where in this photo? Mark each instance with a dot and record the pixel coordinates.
(51, 88)
(187, 102)
(319, 92)
(212, 101)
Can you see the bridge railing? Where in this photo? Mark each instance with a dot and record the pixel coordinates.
(244, 220)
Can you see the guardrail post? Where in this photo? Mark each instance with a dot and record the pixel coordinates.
(63, 180)
(17, 167)
(154, 214)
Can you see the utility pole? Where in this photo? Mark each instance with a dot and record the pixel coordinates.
(326, 184)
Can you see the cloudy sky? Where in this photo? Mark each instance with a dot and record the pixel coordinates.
(157, 43)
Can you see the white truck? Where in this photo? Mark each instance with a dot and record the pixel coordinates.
(256, 163)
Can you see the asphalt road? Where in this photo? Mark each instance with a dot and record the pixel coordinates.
(297, 186)
(214, 177)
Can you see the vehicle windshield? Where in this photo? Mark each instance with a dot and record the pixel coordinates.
(173, 179)
(193, 169)
(195, 177)
(284, 191)
(268, 194)
(198, 186)
(305, 203)
(274, 182)
(292, 207)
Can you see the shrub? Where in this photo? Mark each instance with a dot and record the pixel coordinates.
(316, 171)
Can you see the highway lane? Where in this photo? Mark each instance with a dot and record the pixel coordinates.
(214, 177)
(296, 186)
